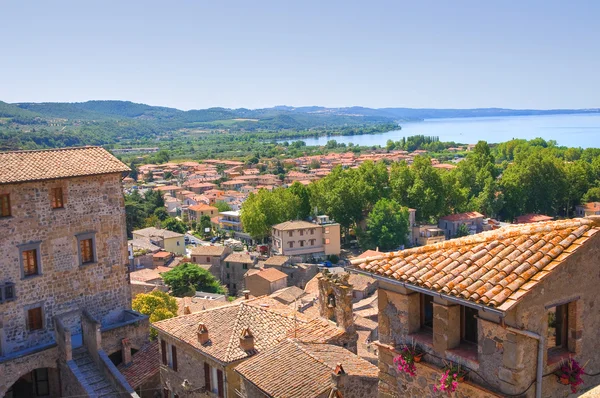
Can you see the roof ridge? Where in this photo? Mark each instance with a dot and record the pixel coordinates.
(508, 231)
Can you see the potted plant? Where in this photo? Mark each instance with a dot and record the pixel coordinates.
(409, 355)
(570, 373)
(452, 375)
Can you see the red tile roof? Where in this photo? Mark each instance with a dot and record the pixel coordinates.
(269, 274)
(494, 268)
(298, 369)
(529, 218)
(145, 365)
(462, 216)
(20, 166)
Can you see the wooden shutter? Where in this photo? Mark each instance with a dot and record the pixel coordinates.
(174, 354)
(165, 393)
(220, 383)
(163, 349)
(207, 376)
(35, 318)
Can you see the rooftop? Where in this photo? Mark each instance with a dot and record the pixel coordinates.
(145, 364)
(462, 216)
(495, 268)
(151, 232)
(289, 225)
(288, 295)
(21, 166)
(277, 260)
(269, 274)
(202, 207)
(529, 218)
(298, 369)
(208, 250)
(594, 206)
(239, 258)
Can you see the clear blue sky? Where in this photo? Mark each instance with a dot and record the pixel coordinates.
(198, 54)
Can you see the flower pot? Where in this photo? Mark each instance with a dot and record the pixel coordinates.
(417, 357)
(461, 378)
(564, 380)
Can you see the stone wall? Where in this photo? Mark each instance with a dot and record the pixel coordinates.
(92, 204)
(356, 387)
(136, 333)
(12, 370)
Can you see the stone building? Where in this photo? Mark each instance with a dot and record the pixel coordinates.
(305, 239)
(211, 257)
(236, 266)
(450, 224)
(297, 369)
(169, 241)
(64, 294)
(507, 305)
(199, 351)
(264, 281)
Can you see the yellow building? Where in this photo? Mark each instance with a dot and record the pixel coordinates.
(167, 240)
(306, 239)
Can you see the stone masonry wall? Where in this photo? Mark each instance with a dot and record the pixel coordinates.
(11, 371)
(92, 204)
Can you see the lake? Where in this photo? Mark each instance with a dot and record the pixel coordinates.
(577, 130)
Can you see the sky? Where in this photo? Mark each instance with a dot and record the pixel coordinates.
(538, 54)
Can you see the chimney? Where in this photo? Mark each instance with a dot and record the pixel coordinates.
(186, 310)
(202, 333)
(247, 340)
(246, 294)
(126, 351)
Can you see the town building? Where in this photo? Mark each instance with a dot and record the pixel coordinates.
(169, 241)
(289, 295)
(305, 239)
(236, 266)
(264, 281)
(307, 370)
(588, 209)
(532, 217)
(65, 301)
(200, 351)
(450, 224)
(507, 305)
(231, 222)
(299, 274)
(211, 258)
(426, 235)
(196, 212)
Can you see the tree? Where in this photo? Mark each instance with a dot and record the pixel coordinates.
(150, 176)
(265, 208)
(462, 230)
(161, 213)
(134, 172)
(592, 195)
(187, 278)
(222, 206)
(204, 224)
(301, 192)
(173, 224)
(157, 305)
(387, 226)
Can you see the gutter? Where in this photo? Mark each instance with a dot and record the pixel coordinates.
(452, 299)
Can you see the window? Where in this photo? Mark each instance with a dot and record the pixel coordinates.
(234, 286)
(326, 230)
(291, 244)
(86, 243)
(558, 327)
(42, 385)
(5, 205)
(468, 321)
(87, 251)
(174, 358)
(213, 380)
(244, 266)
(30, 262)
(327, 241)
(312, 242)
(301, 232)
(163, 351)
(35, 319)
(427, 312)
(227, 265)
(227, 275)
(178, 243)
(208, 259)
(290, 233)
(7, 292)
(301, 243)
(56, 198)
(312, 231)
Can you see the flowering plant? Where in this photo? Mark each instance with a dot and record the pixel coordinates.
(570, 372)
(449, 379)
(407, 358)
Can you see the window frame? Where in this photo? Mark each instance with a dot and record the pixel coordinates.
(563, 348)
(27, 309)
(5, 198)
(55, 201)
(3, 288)
(463, 326)
(422, 304)
(87, 236)
(29, 247)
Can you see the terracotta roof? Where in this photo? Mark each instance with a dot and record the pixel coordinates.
(269, 274)
(360, 282)
(294, 369)
(239, 258)
(288, 295)
(529, 218)
(162, 255)
(289, 225)
(197, 304)
(148, 274)
(145, 365)
(591, 206)
(20, 166)
(277, 260)
(156, 232)
(494, 268)
(202, 207)
(462, 216)
(369, 253)
(208, 250)
(267, 319)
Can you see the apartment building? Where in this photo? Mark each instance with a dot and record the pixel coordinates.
(305, 239)
(65, 300)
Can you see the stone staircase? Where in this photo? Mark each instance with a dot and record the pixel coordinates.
(92, 376)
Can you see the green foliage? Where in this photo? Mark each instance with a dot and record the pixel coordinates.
(157, 305)
(175, 225)
(187, 278)
(222, 206)
(387, 226)
(301, 192)
(161, 213)
(203, 224)
(264, 209)
(462, 230)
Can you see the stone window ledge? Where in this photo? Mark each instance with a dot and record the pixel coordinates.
(423, 338)
(464, 354)
(555, 357)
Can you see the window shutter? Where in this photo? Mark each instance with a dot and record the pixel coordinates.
(220, 382)
(163, 349)
(207, 376)
(174, 352)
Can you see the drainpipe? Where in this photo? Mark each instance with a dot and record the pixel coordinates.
(540, 360)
